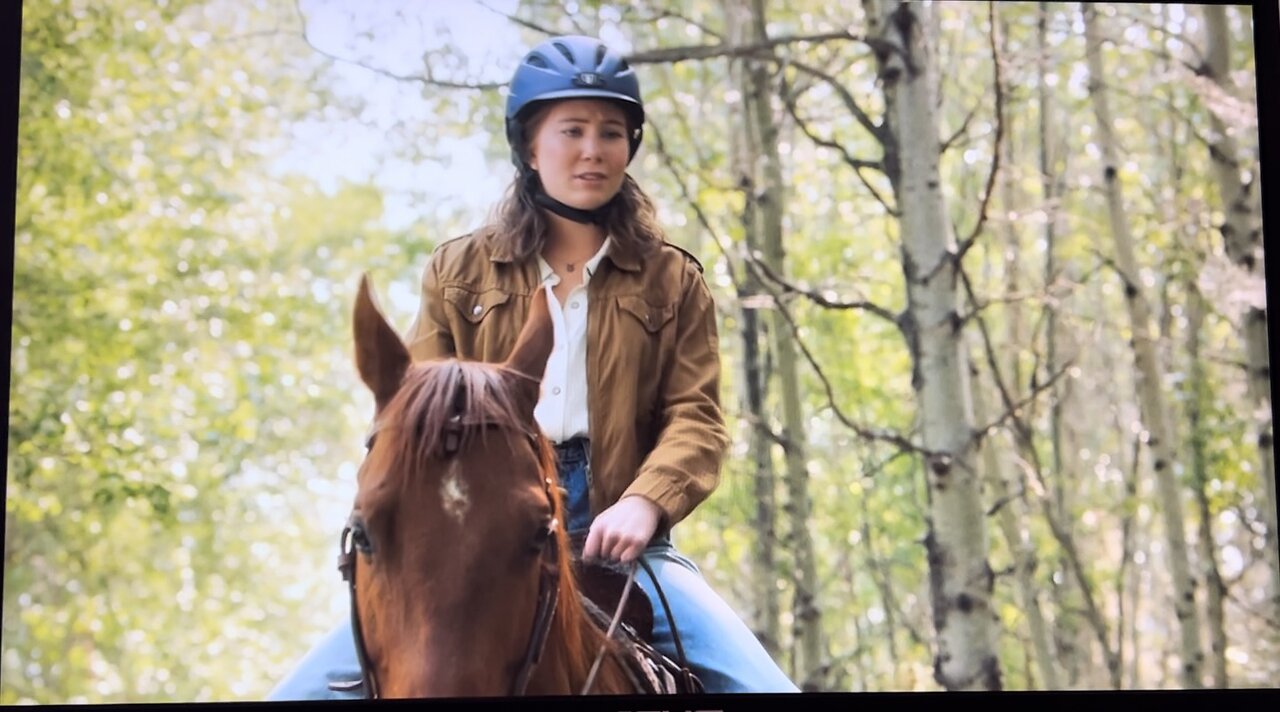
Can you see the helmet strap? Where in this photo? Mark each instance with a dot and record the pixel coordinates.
(586, 217)
(578, 215)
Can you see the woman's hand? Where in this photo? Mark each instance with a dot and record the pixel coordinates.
(621, 532)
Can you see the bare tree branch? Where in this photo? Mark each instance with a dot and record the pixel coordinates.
(527, 24)
(998, 82)
(1158, 49)
(865, 432)
(821, 299)
(964, 128)
(1165, 103)
(846, 98)
(857, 164)
(1017, 298)
(663, 13)
(1242, 605)
(1024, 438)
(1012, 410)
(761, 50)
(426, 79)
(1004, 501)
(777, 438)
(1129, 284)
(683, 120)
(661, 146)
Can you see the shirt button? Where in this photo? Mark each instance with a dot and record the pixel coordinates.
(477, 309)
(574, 305)
(555, 391)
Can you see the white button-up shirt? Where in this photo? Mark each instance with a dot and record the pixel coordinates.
(562, 403)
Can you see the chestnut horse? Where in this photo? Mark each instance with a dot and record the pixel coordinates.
(460, 573)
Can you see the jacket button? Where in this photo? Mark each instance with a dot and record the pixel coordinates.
(477, 309)
(555, 391)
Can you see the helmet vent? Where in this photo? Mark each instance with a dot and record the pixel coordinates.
(623, 66)
(537, 60)
(563, 50)
(600, 51)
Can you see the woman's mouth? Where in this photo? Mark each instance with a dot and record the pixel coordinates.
(590, 177)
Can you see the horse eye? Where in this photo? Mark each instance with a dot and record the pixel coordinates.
(360, 539)
(541, 537)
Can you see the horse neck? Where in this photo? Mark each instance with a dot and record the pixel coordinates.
(572, 647)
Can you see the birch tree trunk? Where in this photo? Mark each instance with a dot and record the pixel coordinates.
(1242, 238)
(766, 620)
(1199, 471)
(956, 542)
(1069, 636)
(1011, 517)
(1126, 579)
(770, 199)
(1151, 399)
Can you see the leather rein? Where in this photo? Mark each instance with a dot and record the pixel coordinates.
(544, 612)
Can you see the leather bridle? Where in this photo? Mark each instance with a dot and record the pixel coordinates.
(544, 611)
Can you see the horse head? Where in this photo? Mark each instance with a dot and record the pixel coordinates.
(453, 537)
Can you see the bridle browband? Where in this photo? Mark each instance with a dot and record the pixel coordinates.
(544, 611)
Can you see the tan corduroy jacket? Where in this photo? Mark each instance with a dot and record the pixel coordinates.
(653, 359)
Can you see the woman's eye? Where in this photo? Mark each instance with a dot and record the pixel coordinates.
(573, 132)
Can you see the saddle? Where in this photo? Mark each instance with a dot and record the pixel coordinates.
(601, 588)
(602, 585)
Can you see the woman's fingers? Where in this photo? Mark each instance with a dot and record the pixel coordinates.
(591, 549)
(622, 531)
(631, 551)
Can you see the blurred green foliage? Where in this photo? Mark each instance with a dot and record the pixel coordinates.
(184, 417)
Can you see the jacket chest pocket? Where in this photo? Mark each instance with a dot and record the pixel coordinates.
(480, 321)
(645, 337)
(652, 318)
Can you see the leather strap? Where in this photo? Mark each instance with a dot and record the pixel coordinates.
(608, 634)
(347, 566)
(544, 612)
(687, 674)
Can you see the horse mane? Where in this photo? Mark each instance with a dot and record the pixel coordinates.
(580, 636)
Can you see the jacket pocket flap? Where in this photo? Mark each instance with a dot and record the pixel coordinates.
(474, 306)
(652, 317)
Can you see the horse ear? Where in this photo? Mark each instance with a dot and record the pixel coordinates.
(537, 338)
(381, 357)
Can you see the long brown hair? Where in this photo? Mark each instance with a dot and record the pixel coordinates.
(630, 217)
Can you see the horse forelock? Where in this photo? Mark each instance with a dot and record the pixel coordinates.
(442, 399)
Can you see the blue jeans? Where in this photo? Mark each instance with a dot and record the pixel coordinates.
(720, 649)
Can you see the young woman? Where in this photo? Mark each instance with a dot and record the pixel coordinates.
(630, 395)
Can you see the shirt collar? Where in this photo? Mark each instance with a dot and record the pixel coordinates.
(594, 262)
(549, 276)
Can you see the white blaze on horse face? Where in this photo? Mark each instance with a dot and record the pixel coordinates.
(453, 492)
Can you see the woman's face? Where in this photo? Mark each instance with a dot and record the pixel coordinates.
(580, 151)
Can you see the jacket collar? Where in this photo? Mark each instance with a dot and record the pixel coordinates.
(619, 254)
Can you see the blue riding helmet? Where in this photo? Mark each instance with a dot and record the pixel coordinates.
(571, 67)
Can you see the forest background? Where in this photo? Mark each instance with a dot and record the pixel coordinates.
(992, 315)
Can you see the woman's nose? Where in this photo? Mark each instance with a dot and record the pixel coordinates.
(591, 147)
